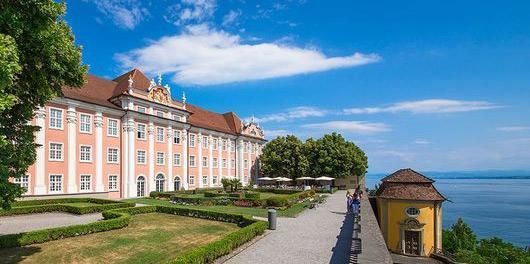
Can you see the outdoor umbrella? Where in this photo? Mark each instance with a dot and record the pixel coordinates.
(265, 179)
(324, 178)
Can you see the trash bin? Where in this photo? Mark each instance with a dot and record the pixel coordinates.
(272, 219)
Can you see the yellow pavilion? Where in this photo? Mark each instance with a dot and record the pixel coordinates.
(409, 210)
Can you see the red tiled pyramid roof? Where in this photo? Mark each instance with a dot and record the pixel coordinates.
(407, 184)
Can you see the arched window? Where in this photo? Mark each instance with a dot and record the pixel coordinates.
(176, 183)
(140, 186)
(159, 183)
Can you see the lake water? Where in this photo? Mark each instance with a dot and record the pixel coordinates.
(493, 206)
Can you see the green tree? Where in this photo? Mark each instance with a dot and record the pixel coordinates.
(235, 184)
(335, 157)
(459, 237)
(284, 157)
(38, 57)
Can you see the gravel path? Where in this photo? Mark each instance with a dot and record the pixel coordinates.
(23, 223)
(309, 238)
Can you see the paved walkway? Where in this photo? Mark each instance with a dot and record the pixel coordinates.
(321, 235)
(23, 223)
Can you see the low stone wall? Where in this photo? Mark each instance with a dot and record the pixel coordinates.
(374, 249)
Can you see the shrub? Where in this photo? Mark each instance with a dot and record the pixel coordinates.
(277, 191)
(277, 201)
(235, 195)
(252, 195)
(214, 194)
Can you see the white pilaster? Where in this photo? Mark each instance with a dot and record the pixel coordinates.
(71, 154)
(210, 160)
(40, 162)
(239, 159)
(198, 144)
(124, 160)
(169, 177)
(219, 161)
(98, 124)
(184, 161)
(229, 165)
(249, 158)
(131, 127)
(151, 154)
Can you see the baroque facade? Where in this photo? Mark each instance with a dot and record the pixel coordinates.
(127, 137)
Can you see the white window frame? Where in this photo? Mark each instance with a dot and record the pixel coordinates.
(89, 182)
(138, 107)
(117, 155)
(177, 117)
(157, 112)
(81, 153)
(144, 131)
(204, 161)
(215, 144)
(233, 163)
(50, 183)
(192, 180)
(223, 145)
(215, 162)
(177, 135)
(50, 151)
(113, 185)
(158, 156)
(205, 143)
(109, 120)
(23, 182)
(192, 140)
(158, 129)
(245, 164)
(61, 127)
(215, 180)
(89, 124)
(412, 215)
(192, 158)
(144, 156)
(232, 146)
(224, 163)
(204, 180)
(177, 159)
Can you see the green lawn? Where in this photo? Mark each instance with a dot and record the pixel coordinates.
(149, 238)
(293, 211)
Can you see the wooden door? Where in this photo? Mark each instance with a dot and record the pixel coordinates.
(412, 243)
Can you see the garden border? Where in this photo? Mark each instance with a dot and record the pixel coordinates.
(61, 205)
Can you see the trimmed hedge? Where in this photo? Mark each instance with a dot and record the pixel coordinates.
(277, 201)
(61, 205)
(215, 194)
(278, 191)
(119, 218)
(113, 220)
(252, 195)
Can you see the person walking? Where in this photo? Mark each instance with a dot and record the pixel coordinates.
(349, 200)
(356, 203)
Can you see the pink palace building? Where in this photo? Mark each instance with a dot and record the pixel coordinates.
(127, 137)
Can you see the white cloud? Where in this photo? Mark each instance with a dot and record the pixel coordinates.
(190, 11)
(401, 155)
(204, 56)
(292, 113)
(426, 107)
(231, 18)
(513, 128)
(360, 127)
(126, 14)
(422, 142)
(276, 133)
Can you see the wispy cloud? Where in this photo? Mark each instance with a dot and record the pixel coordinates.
(359, 127)
(126, 14)
(190, 11)
(231, 18)
(207, 57)
(276, 133)
(426, 107)
(292, 113)
(401, 155)
(513, 128)
(422, 142)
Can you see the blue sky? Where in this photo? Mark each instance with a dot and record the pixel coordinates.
(433, 85)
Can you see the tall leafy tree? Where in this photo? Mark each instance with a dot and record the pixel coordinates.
(284, 157)
(38, 56)
(336, 157)
(459, 237)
